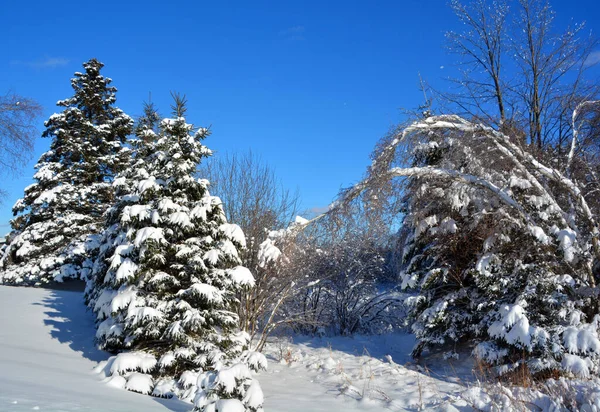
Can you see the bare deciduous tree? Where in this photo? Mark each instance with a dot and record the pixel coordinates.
(255, 198)
(17, 130)
(481, 47)
(518, 74)
(257, 201)
(552, 67)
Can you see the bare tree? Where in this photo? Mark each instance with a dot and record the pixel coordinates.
(481, 48)
(305, 276)
(18, 115)
(552, 67)
(256, 200)
(518, 74)
(331, 275)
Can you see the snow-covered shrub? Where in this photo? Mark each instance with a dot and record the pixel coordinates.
(165, 281)
(279, 282)
(500, 248)
(280, 255)
(346, 294)
(58, 220)
(341, 278)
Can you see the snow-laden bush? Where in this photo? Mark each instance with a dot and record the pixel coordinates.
(346, 292)
(165, 281)
(500, 248)
(60, 216)
(337, 274)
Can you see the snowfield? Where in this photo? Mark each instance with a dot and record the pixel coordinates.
(364, 373)
(47, 357)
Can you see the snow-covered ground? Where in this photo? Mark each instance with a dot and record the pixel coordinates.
(47, 357)
(364, 373)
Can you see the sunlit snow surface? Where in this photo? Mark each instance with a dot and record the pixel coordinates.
(47, 357)
(363, 373)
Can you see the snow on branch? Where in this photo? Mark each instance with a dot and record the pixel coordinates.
(465, 178)
(524, 161)
(576, 114)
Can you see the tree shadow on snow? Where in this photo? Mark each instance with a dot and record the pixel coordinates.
(71, 323)
(174, 405)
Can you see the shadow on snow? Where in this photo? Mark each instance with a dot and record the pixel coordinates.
(72, 324)
(398, 346)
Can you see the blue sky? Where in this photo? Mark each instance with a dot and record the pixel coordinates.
(309, 86)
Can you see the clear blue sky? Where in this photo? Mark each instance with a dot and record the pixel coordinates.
(308, 85)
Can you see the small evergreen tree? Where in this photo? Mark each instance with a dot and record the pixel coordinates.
(499, 255)
(165, 281)
(60, 215)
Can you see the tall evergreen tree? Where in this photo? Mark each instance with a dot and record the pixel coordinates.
(58, 219)
(165, 281)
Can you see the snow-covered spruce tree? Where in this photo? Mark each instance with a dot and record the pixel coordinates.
(57, 221)
(500, 248)
(163, 287)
